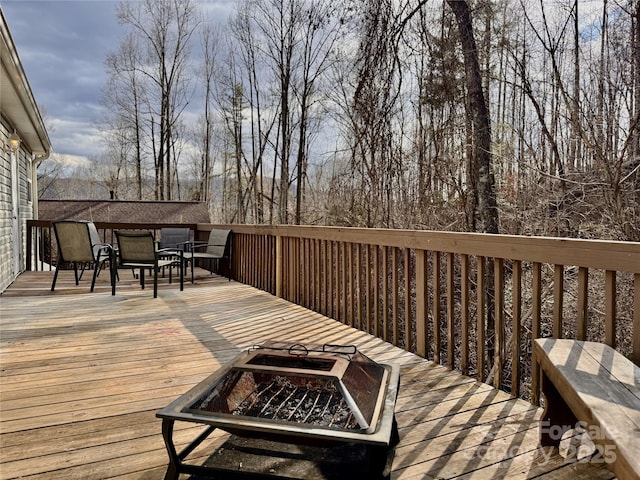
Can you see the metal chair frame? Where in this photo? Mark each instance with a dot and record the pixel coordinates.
(137, 249)
(79, 244)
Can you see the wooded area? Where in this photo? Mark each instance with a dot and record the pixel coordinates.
(369, 113)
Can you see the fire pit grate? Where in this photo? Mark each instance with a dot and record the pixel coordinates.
(282, 399)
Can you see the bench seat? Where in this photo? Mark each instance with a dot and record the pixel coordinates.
(593, 384)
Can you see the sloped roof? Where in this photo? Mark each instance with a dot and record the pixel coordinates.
(124, 211)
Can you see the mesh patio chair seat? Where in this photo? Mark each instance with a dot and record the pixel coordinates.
(218, 247)
(79, 244)
(137, 249)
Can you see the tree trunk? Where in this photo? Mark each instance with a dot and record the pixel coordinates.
(482, 184)
(487, 212)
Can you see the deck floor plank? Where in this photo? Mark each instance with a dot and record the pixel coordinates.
(82, 376)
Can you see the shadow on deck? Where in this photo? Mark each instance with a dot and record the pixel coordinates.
(83, 375)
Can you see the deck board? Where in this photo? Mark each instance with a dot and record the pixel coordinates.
(82, 376)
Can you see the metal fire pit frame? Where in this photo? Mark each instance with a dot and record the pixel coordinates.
(378, 437)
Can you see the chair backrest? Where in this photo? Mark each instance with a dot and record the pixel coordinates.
(219, 243)
(174, 237)
(74, 241)
(136, 246)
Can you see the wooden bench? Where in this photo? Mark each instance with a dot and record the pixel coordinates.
(592, 384)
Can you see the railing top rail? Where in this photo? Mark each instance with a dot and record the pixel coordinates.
(600, 254)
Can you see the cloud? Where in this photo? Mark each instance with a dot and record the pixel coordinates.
(62, 46)
(69, 162)
(75, 137)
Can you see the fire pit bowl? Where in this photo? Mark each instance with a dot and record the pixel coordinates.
(322, 395)
(330, 392)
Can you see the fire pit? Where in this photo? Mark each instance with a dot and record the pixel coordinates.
(291, 393)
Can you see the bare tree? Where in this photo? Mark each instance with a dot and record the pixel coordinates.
(164, 29)
(209, 40)
(124, 98)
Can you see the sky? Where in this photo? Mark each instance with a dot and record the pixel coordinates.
(62, 45)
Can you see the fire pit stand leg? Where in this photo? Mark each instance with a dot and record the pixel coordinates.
(382, 457)
(175, 459)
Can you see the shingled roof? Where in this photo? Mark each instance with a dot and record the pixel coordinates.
(123, 211)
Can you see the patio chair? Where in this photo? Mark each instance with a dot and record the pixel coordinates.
(79, 244)
(218, 247)
(137, 249)
(172, 241)
(174, 238)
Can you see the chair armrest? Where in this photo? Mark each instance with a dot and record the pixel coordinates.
(210, 245)
(191, 244)
(107, 246)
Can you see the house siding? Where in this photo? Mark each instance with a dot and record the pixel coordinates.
(25, 208)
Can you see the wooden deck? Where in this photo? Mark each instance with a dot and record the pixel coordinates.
(82, 376)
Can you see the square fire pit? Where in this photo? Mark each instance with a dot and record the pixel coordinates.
(322, 395)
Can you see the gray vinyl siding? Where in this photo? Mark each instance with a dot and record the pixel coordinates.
(6, 242)
(7, 274)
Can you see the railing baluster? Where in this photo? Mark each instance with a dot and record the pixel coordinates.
(421, 303)
(325, 280)
(351, 286)
(464, 313)
(480, 317)
(336, 281)
(359, 278)
(436, 307)
(335, 277)
(345, 283)
(515, 329)
(279, 272)
(408, 340)
(376, 290)
(536, 315)
(306, 274)
(367, 279)
(317, 295)
(610, 308)
(558, 300)
(451, 311)
(583, 303)
(636, 319)
(385, 293)
(498, 362)
(394, 294)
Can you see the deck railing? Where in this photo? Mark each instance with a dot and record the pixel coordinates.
(433, 292)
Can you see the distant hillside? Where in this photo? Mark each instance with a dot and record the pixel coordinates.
(73, 189)
(83, 189)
